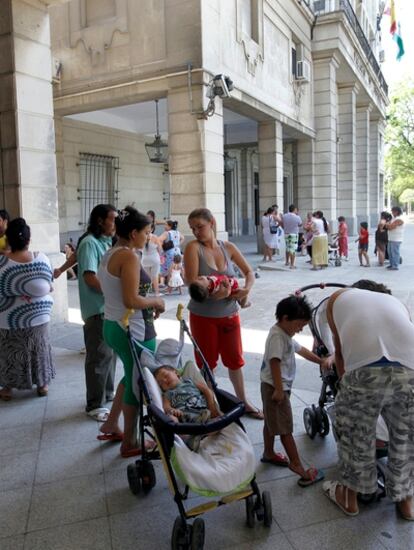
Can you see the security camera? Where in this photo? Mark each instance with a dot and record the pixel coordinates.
(221, 85)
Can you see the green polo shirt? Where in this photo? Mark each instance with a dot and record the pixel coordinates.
(89, 254)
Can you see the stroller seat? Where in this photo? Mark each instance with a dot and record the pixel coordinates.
(224, 462)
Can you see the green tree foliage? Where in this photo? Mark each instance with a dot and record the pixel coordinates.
(399, 137)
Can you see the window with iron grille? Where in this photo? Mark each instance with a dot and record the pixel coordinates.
(98, 176)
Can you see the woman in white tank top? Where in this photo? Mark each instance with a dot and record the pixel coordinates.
(151, 260)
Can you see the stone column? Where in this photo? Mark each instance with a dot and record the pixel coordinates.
(375, 201)
(270, 143)
(305, 165)
(196, 163)
(346, 143)
(362, 159)
(27, 141)
(325, 106)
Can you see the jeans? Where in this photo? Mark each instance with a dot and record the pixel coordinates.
(394, 253)
(100, 364)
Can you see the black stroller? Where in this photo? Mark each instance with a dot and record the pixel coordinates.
(334, 258)
(317, 418)
(182, 466)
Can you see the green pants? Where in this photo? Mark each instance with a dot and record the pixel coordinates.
(117, 339)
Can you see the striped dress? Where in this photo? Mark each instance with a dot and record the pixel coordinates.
(25, 307)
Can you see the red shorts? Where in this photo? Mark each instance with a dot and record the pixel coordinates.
(218, 337)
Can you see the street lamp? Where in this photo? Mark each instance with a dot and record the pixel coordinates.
(157, 151)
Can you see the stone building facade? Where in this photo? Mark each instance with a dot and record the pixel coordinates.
(304, 122)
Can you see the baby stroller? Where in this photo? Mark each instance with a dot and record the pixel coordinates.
(224, 465)
(317, 419)
(334, 258)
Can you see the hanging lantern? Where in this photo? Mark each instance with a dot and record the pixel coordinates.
(157, 151)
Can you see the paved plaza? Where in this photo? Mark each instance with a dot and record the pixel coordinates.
(61, 489)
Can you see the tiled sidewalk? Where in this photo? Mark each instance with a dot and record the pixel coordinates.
(61, 489)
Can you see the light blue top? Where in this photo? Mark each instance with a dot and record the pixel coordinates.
(89, 254)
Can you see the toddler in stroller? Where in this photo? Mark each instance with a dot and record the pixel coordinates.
(223, 466)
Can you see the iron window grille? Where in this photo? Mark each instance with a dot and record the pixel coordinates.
(98, 175)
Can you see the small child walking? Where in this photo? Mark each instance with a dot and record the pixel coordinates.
(277, 375)
(363, 244)
(175, 279)
(208, 285)
(343, 238)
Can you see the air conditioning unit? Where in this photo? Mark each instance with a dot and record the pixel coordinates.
(303, 71)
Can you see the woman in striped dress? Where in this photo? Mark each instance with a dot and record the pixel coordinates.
(25, 307)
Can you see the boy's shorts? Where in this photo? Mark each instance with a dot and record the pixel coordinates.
(277, 416)
(363, 247)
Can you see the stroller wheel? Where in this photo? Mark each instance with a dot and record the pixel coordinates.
(180, 535)
(323, 422)
(197, 534)
(267, 508)
(250, 512)
(338, 262)
(134, 479)
(148, 479)
(310, 422)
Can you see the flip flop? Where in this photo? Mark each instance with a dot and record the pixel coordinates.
(110, 436)
(329, 489)
(100, 414)
(136, 451)
(315, 475)
(278, 459)
(255, 413)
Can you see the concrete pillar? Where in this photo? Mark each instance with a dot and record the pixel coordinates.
(196, 163)
(325, 106)
(305, 175)
(270, 141)
(27, 141)
(362, 160)
(346, 144)
(374, 176)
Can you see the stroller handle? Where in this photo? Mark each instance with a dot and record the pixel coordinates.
(320, 285)
(125, 318)
(179, 313)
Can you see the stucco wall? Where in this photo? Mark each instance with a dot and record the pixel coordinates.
(126, 39)
(140, 182)
(262, 67)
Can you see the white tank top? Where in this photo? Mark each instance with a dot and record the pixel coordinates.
(114, 309)
(396, 234)
(372, 325)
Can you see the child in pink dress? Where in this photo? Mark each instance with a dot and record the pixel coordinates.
(343, 238)
(206, 286)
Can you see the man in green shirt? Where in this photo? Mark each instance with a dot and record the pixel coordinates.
(100, 360)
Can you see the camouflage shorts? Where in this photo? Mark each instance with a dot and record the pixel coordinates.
(364, 394)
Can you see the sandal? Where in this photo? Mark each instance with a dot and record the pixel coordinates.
(329, 489)
(110, 436)
(314, 474)
(255, 413)
(278, 459)
(100, 414)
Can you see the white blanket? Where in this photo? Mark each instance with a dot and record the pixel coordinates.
(224, 463)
